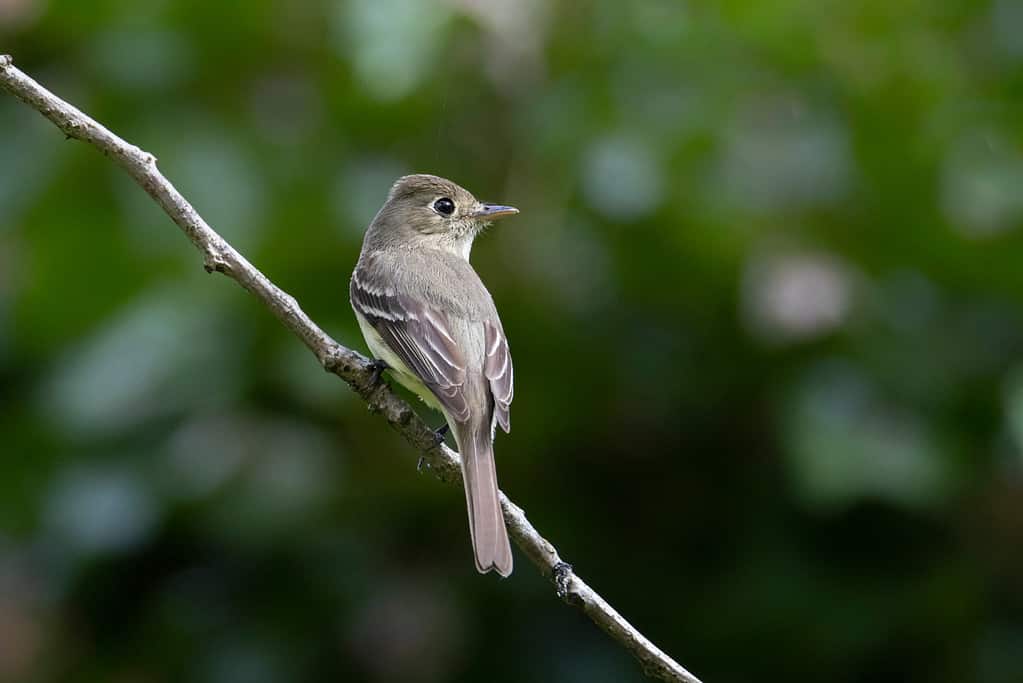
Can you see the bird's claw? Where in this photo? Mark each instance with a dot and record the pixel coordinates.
(562, 574)
(441, 432)
(438, 440)
(377, 368)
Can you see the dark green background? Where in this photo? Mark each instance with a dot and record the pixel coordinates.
(765, 299)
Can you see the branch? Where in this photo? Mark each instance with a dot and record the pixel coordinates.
(349, 365)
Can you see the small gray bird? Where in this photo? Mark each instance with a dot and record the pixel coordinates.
(425, 313)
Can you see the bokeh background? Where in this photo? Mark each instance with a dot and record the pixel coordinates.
(765, 299)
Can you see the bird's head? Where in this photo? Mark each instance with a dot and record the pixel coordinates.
(426, 209)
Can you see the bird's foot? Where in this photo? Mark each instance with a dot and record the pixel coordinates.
(438, 436)
(377, 368)
(562, 574)
(441, 432)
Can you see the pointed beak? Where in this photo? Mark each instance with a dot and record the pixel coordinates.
(489, 212)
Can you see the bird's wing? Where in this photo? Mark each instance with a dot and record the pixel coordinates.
(420, 335)
(498, 369)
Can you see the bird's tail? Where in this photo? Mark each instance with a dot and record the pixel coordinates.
(486, 521)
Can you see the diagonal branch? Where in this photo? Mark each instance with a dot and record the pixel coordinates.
(349, 365)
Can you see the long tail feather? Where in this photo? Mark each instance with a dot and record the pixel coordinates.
(486, 521)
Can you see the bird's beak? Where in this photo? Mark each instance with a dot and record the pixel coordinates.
(489, 212)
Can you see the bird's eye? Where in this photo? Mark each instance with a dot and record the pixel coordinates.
(444, 206)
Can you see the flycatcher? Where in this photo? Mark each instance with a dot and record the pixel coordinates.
(425, 313)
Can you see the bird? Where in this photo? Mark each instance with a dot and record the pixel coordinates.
(430, 321)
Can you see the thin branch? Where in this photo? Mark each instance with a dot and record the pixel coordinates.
(349, 365)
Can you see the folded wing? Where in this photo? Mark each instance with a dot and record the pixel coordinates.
(498, 370)
(419, 335)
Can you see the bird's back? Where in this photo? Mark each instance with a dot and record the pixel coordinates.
(426, 275)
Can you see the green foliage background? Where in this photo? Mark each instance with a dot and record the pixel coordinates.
(764, 298)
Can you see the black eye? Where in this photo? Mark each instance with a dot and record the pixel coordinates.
(444, 206)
